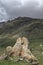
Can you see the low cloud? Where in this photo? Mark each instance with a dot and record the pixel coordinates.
(3, 15)
(14, 8)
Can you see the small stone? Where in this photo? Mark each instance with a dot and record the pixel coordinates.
(41, 45)
(42, 53)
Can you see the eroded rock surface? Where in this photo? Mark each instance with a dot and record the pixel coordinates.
(20, 51)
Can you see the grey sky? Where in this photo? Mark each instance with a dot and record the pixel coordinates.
(14, 8)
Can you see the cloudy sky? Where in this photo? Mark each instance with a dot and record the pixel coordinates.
(10, 9)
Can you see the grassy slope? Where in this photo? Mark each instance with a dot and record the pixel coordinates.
(31, 28)
(22, 26)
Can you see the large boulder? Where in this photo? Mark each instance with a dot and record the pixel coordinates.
(20, 51)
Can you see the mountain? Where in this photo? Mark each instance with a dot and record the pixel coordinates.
(21, 26)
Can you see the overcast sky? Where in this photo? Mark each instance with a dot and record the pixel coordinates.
(10, 9)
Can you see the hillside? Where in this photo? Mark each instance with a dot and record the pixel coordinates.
(21, 26)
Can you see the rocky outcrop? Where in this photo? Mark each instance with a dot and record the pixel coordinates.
(20, 51)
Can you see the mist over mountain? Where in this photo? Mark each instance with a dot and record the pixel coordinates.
(10, 9)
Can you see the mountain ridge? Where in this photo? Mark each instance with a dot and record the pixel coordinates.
(21, 26)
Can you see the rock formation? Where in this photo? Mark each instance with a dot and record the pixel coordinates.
(20, 50)
(26, 53)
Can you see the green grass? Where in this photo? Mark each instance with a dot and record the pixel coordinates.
(36, 50)
(13, 63)
(6, 42)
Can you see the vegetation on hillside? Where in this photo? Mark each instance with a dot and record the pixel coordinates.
(22, 26)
